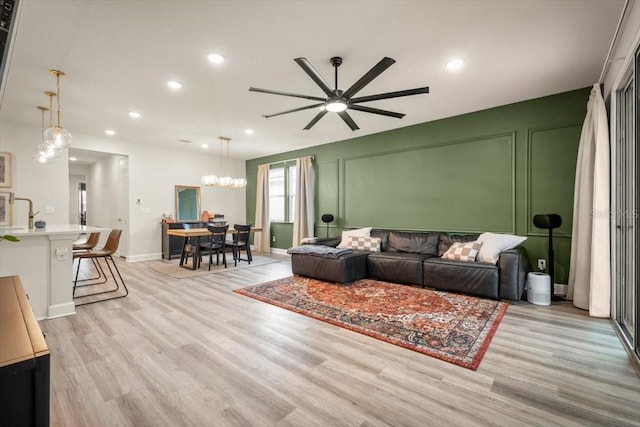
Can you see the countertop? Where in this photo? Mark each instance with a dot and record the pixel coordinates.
(23, 231)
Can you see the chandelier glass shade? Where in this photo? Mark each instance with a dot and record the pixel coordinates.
(225, 180)
(44, 153)
(57, 136)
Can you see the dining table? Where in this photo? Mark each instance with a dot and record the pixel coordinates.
(194, 249)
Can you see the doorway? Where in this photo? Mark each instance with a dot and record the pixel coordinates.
(99, 185)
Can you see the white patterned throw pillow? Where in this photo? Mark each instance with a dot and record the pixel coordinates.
(364, 243)
(494, 243)
(357, 232)
(463, 251)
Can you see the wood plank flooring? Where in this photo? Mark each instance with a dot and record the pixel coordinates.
(190, 352)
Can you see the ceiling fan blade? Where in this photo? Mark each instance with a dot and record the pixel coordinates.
(308, 107)
(277, 92)
(315, 119)
(315, 76)
(377, 69)
(348, 120)
(376, 111)
(388, 95)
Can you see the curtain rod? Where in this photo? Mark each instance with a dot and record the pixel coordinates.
(287, 160)
(605, 67)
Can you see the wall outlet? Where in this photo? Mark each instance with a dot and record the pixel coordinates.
(273, 239)
(62, 253)
(542, 264)
(49, 209)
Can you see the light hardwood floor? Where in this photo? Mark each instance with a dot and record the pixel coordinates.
(189, 352)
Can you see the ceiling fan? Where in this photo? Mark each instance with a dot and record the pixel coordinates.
(339, 101)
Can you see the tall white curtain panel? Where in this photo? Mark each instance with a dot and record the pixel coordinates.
(261, 241)
(590, 272)
(304, 214)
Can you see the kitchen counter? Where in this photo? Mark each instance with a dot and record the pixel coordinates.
(43, 259)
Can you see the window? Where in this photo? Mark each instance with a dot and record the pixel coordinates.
(282, 193)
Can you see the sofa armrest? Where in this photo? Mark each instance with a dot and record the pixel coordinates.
(514, 266)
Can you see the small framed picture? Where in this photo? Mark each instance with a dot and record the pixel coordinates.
(5, 209)
(5, 169)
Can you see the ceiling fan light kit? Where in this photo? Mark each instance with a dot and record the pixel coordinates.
(338, 101)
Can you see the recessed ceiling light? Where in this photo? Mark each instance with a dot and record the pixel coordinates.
(134, 114)
(455, 64)
(174, 85)
(73, 159)
(110, 132)
(205, 146)
(249, 131)
(215, 58)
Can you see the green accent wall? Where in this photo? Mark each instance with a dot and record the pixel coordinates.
(490, 170)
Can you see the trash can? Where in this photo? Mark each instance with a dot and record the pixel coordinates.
(538, 288)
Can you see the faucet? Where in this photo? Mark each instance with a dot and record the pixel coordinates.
(12, 198)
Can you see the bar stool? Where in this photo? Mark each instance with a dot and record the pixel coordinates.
(109, 248)
(87, 245)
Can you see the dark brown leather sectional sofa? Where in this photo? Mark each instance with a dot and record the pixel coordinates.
(415, 258)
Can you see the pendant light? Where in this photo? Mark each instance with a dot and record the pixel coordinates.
(44, 153)
(225, 180)
(57, 136)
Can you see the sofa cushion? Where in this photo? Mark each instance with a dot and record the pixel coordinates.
(383, 235)
(357, 232)
(446, 240)
(465, 252)
(418, 243)
(363, 243)
(477, 278)
(396, 267)
(493, 244)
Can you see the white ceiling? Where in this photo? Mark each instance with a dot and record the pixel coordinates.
(118, 56)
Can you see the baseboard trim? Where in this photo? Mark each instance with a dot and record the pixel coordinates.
(143, 257)
(560, 289)
(61, 310)
(278, 251)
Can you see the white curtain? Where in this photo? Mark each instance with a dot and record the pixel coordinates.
(590, 272)
(304, 216)
(261, 240)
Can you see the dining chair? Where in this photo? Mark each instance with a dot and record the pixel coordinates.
(241, 242)
(106, 252)
(191, 240)
(216, 244)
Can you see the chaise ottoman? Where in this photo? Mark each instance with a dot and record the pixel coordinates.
(343, 268)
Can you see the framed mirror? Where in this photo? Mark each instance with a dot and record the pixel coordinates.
(187, 203)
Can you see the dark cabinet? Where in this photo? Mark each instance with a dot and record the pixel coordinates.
(172, 245)
(24, 360)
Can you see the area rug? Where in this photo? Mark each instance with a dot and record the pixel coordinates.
(172, 268)
(452, 327)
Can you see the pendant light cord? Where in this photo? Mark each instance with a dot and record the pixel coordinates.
(58, 96)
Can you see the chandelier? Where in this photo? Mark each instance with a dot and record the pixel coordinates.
(57, 136)
(225, 180)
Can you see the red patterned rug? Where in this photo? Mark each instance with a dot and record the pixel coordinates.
(452, 327)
